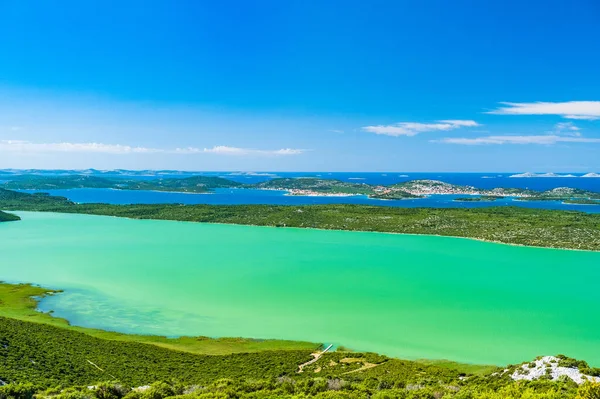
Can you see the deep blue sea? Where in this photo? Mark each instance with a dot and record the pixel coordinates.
(247, 196)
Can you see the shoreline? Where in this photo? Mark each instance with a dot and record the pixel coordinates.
(62, 322)
(321, 229)
(26, 308)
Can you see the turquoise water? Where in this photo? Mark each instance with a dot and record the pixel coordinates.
(401, 295)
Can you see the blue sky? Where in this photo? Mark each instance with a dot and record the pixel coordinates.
(426, 85)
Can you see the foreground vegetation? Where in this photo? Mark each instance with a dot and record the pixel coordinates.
(20, 301)
(511, 225)
(53, 362)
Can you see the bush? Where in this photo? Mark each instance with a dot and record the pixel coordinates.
(17, 391)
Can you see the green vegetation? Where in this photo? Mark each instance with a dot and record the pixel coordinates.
(582, 201)
(511, 225)
(482, 198)
(63, 364)
(195, 184)
(20, 301)
(8, 217)
(393, 195)
(48, 356)
(582, 365)
(323, 186)
(14, 199)
(44, 359)
(298, 186)
(57, 182)
(290, 388)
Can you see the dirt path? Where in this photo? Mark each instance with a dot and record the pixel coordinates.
(316, 356)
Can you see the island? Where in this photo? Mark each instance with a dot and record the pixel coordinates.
(300, 186)
(194, 184)
(312, 186)
(481, 198)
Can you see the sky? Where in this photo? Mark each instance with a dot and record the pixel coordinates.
(428, 85)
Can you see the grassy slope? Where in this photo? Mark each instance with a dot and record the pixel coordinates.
(48, 355)
(18, 302)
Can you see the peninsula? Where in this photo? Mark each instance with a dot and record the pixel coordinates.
(510, 225)
(8, 217)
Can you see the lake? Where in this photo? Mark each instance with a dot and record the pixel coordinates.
(400, 295)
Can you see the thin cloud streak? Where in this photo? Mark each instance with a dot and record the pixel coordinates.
(20, 146)
(30, 147)
(413, 128)
(225, 150)
(540, 139)
(582, 110)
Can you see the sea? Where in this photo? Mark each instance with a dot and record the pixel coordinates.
(271, 197)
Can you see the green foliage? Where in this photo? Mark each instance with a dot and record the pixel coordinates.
(565, 361)
(8, 217)
(18, 391)
(50, 362)
(52, 356)
(325, 186)
(482, 198)
(589, 391)
(195, 184)
(319, 388)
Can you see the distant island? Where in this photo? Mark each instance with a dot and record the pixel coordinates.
(529, 174)
(301, 186)
(483, 198)
(194, 184)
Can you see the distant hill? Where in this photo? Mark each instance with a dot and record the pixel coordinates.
(327, 186)
(35, 182)
(23, 201)
(194, 184)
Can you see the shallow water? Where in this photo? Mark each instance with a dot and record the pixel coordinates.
(401, 295)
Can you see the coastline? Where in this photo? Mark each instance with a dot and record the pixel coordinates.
(21, 300)
(322, 229)
(186, 343)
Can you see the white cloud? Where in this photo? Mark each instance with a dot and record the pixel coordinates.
(30, 147)
(539, 139)
(589, 110)
(20, 146)
(568, 126)
(225, 150)
(566, 129)
(414, 128)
